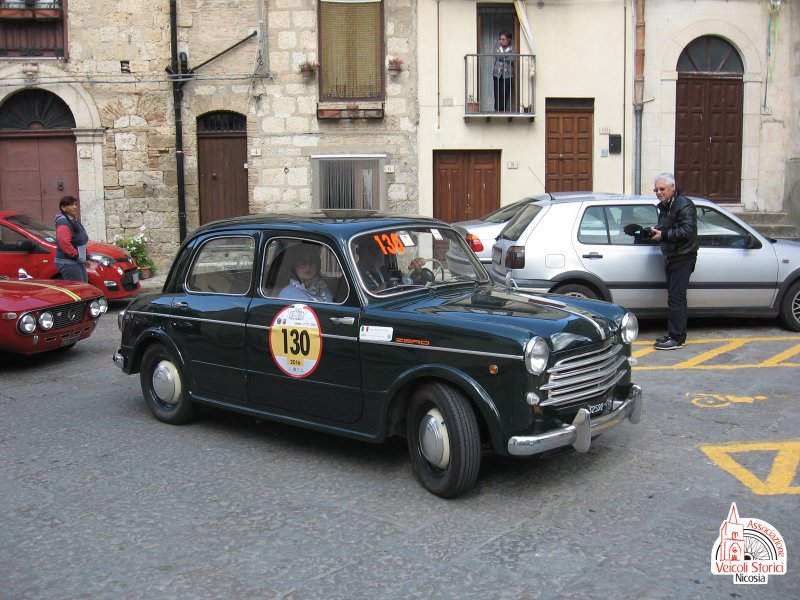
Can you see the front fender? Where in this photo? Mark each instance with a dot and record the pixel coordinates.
(150, 336)
(404, 385)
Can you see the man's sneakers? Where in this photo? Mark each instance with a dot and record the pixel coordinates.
(667, 343)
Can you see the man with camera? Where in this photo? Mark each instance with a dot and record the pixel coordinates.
(676, 231)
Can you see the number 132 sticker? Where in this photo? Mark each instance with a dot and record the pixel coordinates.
(295, 341)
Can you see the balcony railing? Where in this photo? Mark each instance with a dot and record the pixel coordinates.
(30, 9)
(487, 96)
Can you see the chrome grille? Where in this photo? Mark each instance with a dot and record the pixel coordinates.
(68, 314)
(584, 376)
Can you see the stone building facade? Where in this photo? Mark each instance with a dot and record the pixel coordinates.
(116, 74)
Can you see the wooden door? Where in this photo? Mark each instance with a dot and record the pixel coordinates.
(569, 149)
(708, 136)
(36, 170)
(221, 166)
(466, 184)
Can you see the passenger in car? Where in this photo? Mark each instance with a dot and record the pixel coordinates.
(306, 283)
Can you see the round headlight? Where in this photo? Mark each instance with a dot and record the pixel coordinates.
(630, 328)
(536, 355)
(27, 323)
(98, 307)
(46, 320)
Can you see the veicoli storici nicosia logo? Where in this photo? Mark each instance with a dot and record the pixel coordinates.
(750, 550)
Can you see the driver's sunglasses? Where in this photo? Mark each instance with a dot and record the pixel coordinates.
(660, 189)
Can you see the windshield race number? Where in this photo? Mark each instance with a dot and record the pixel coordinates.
(295, 341)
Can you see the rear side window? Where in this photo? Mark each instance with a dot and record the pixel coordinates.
(224, 266)
(504, 213)
(517, 226)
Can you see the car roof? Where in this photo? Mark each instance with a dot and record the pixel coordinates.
(340, 222)
(571, 197)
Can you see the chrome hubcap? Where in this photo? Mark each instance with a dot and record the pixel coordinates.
(166, 383)
(433, 439)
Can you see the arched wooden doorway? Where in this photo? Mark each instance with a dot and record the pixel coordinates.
(221, 165)
(708, 120)
(38, 162)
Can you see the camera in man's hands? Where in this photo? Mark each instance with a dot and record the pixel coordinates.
(648, 232)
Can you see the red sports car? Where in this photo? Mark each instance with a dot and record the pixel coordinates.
(28, 244)
(37, 315)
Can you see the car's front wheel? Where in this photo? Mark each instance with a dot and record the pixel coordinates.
(790, 307)
(162, 386)
(443, 440)
(576, 291)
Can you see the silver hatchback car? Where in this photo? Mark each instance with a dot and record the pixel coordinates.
(592, 245)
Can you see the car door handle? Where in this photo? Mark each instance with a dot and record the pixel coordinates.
(180, 304)
(593, 255)
(342, 320)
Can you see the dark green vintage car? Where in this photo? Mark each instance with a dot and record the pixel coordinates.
(351, 323)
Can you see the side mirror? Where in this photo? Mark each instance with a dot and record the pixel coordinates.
(26, 245)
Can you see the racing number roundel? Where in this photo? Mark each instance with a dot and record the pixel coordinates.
(295, 341)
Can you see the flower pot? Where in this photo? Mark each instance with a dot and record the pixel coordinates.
(473, 107)
(307, 74)
(394, 70)
(145, 272)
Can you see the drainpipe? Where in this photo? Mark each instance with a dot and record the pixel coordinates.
(175, 70)
(638, 93)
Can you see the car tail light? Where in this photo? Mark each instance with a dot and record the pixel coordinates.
(515, 257)
(474, 242)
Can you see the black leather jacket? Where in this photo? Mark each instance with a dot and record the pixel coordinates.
(678, 224)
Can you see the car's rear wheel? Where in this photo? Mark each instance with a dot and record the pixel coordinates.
(162, 386)
(576, 291)
(790, 307)
(443, 440)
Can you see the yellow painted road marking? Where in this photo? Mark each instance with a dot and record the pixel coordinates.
(723, 345)
(720, 400)
(72, 295)
(780, 357)
(784, 467)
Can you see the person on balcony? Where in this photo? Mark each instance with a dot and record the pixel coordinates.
(503, 72)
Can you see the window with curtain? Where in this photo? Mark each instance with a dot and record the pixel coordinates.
(348, 182)
(32, 29)
(351, 50)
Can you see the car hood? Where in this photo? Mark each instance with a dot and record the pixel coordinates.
(565, 322)
(33, 294)
(107, 249)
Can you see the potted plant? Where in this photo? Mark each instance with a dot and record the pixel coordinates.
(473, 106)
(137, 248)
(395, 64)
(308, 68)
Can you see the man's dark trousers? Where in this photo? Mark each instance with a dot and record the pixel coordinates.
(678, 269)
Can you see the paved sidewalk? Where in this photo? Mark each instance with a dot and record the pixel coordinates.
(156, 282)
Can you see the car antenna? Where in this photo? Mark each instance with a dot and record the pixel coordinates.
(541, 184)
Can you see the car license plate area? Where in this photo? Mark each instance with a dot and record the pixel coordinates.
(497, 254)
(68, 340)
(135, 277)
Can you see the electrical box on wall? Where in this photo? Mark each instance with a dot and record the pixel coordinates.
(615, 143)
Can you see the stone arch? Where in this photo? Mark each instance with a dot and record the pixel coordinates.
(89, 134)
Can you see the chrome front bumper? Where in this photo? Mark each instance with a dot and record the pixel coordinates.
(119, 360)
(583, 428)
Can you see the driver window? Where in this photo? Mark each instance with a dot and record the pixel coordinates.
(715, 230)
